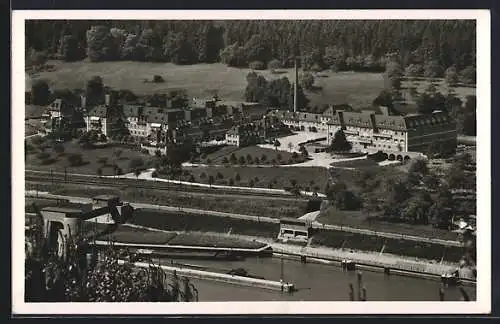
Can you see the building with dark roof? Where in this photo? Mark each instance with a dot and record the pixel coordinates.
(368, 131)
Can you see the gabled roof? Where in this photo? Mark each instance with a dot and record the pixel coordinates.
(98, 111)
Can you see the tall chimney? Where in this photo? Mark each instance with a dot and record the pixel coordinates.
(83, 99)
(107, 99)
(295, 87)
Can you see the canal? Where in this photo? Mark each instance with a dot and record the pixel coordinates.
(316, 282)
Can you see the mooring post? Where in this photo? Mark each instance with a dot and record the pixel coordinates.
(360, 282)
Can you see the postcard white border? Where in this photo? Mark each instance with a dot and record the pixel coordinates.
(481, 305)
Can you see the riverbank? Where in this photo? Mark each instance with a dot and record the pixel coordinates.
(397, 265)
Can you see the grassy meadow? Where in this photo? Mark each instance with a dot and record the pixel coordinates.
(201, 80)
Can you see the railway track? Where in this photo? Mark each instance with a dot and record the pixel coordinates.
(57, 178)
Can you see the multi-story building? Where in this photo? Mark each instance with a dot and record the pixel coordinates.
(100, 118)
(244, 135)
(394, 135)
(62, 114)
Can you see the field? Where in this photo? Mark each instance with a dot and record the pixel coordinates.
(201, 80)
(240, 205)
(278, 177)
(90, 157)
(218, 156)
(421, 85)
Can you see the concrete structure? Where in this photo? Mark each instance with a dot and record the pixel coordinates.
(61, 223)
(295, 230)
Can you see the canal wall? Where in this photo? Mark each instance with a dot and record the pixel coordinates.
(221, 277)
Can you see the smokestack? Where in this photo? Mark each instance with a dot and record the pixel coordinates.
(83, 101)
(295, 87)
(107, 99)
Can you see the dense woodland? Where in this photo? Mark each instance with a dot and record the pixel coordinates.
(424, 48)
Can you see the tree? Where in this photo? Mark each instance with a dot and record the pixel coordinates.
(241, 160)
(220, 176)
(276, 144)
(233, 158)
(303, 151)
(99, 172)
(451, 76)
(237, 177)
(69, 50)
(38, 58)
(290, 146)
(342, 198)
(256, 49)
(393, 75)
(307, 81)
(75, 159)
(383, 99)
(137, 172)
(94, 90)
(469, 116)
(340, 143)
(414, 70)
(210, 180)
(249, 159)
(274, 65)
(433, 69)
(417, 208)
(100, 44)
(136, 163)
(425, 103)
(256, 89)
(40, 92)
(468, 75)
(419, 166)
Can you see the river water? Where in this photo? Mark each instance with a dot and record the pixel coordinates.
(317, 282)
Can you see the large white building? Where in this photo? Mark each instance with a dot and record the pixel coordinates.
(369, 131)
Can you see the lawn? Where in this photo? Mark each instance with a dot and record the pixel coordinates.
(240, 205)
(338, 239)
(210, 240)
(421, 86)
(179, 221)
(201, 80)
(358, 219)
(265, 156)
(277, 177)
(59, 161)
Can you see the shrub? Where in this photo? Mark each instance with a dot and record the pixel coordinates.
(251, 183)
(191, 178)
(209, 161)
(43, 155)
(231, 182)
(237, 177)
(136, 163)
(75, 159)
(154, 174)
(220, 176)
(102, 160)
(158, 79)
(257, 65)
(225, 160)
(274, 65)
(203, 175)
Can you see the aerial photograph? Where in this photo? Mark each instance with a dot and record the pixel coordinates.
(250, 160)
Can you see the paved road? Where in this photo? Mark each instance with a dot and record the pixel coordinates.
(262, 219)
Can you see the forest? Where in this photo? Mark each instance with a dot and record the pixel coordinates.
(422, 48)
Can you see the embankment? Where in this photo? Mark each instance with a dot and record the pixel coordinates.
(221, 277)
(175, 221)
